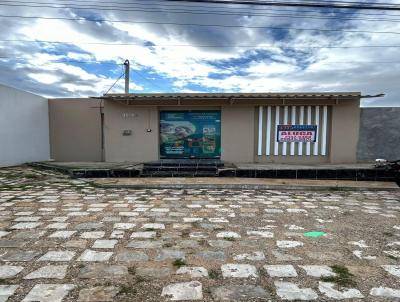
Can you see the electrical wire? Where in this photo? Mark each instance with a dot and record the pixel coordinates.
(211, 25)
(371, 6)
(285, 46)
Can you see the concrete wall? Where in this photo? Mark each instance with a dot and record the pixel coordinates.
(141, 145)
(237, 133)
(379, 134)
(345, 132)
(24, 127)
(75, 130)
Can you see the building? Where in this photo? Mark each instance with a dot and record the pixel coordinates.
(293, 128)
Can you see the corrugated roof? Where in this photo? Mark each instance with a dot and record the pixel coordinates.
(292, 95)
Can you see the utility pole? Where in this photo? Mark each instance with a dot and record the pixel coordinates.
(126, 63)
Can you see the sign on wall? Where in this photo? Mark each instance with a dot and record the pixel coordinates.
(190, 134)
(296, 133)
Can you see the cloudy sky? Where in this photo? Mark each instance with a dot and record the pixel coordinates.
(173, 48)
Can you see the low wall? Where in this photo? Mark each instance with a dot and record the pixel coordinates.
(24, 127)
(75, 130)
(379, 134)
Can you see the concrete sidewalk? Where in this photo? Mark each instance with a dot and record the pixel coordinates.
(240, 183)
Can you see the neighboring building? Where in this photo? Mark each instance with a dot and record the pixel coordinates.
(297, 128)
(24, 127)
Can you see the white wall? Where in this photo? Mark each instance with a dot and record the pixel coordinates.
(24, 127)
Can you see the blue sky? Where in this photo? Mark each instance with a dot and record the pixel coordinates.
(167, 57)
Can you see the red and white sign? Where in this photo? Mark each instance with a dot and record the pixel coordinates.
(296, 133)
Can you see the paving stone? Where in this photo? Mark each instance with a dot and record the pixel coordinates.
(223, 244)
(187, 244)
(98, 294)
(49, 272)
(318, 271)
(57, 256)
(104, 244)
(124, 226)
(48, 292)
(79, 244)
(232, 270)
(262, 234)
(129, 256)
(57, 225)
(193, 272)
(392, 269)
(285, 257)
(25, 225)
(19, 256)
(7, 291)
(12, 243)
(212, 255)
(94, 256)
(31, 234)
(228, 235)
(386, 292)
(280, 271)
(166, 254)
(183, 291)
(9, 271)
(94, 271)
(155, 226)
(62, 234)
(93, 235)
(89, 226)
(290, 291)
(145, 244)
(144, 235)
(157, 272)
(328, 289)
(253, 256)
(285, 244)
(238, 293)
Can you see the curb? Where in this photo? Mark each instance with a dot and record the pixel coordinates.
(238, 187)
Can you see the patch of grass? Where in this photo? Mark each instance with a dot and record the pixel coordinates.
(168, 244)
(149, 229)
(132, 270)
(391, 257)
(127, 290)
(81, 265)
(214, 274)
(3, 282)
(32, 176)
(343, 276)
(229, 238)
(388, 234)
(179, 262)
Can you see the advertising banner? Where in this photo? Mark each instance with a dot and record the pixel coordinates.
(296, 133)
(190, 134)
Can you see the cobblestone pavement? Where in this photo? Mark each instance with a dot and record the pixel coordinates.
(64, 240)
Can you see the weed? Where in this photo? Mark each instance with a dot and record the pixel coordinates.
(126, 290)
(229, 238)
(388, 234)
(342, 278)
(214, 274)
(179, 262)
(132, 270)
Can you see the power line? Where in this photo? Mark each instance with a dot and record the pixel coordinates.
(227, 68)
(197, 6)
(286, 46)
(221, 13)
(206, 25)
(335, 5)
(126, 9)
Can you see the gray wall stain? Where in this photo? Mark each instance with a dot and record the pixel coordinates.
(379, 134)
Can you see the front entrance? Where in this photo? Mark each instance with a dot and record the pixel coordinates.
(190, 134)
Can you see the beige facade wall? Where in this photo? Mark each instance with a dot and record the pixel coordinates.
(75, 130)
(237, 133)
(141, 145)
(345, 132)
